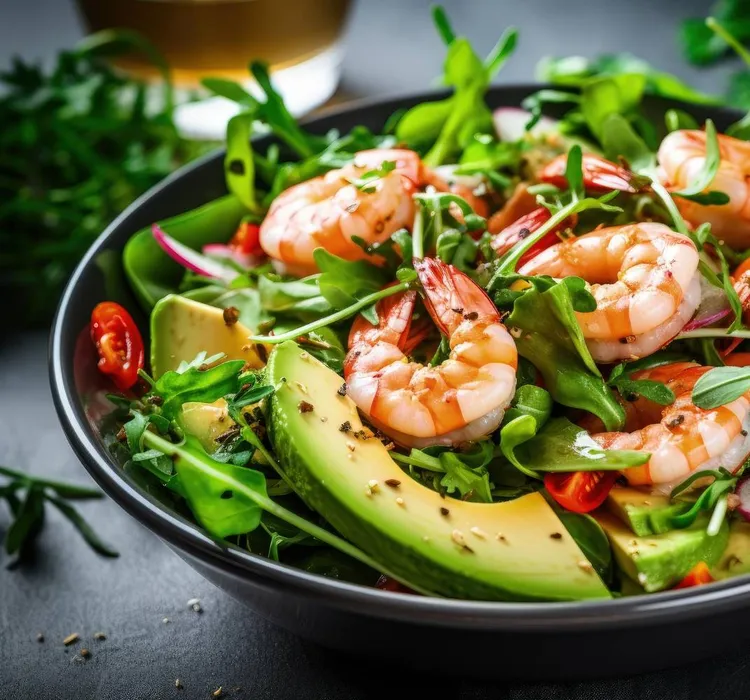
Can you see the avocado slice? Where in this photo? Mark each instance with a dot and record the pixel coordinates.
(660, 561)
(181, 328)
(517, 550)
(645, 513)
(206, 421)
(736, 557)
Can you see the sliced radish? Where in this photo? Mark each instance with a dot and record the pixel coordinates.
(510, 124)
(743, 492)
(191, 259)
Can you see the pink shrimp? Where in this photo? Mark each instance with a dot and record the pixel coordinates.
(462, 399)
(330, 211)
(644, 278)
(681, 438)
(682, 155)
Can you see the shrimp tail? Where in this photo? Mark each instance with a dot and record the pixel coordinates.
(598, 175)
(448, 292)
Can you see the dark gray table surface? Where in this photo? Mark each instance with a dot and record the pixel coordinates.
(67, 588)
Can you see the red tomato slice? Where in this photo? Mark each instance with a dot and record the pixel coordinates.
(699, 575)
(580, 492)
(247, 239)
(118, 342)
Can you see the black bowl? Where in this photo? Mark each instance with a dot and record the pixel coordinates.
(528, 640)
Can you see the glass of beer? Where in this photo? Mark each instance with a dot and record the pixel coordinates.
(299, 39)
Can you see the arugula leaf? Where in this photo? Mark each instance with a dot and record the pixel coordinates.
(621, 141)
(677, 120)
(602, 97)
(574, 172)
(196, 384)
(343, 282)
(723, 482)
(239, 168)
(701, 45)
(530, 400)
(299, 298)
(450, 123)
(473, 484)
(577, 71)
(218, 494)
(246, 300)
(619, 379)
(367, 182)
(721, 386)
(513, 434)
(706, 176)
(272, 111)
(562, 446)
(590, 537)
(151, 272)
(548, 335)
(207, 484)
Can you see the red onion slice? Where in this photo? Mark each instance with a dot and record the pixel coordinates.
(743, 491)
(702, 321)
(191, 259)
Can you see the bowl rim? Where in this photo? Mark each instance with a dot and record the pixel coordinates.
(586, 615)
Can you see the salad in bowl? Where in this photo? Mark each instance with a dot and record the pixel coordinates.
(478, 355)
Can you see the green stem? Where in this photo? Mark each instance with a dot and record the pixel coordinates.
(27, 479)
(249, 435)
(417, 235)
(509, 261)
(717, 517)
(717, 29)
(669, 203)
(713, 333)
(270, 506)
(426, 462)
(363, 303)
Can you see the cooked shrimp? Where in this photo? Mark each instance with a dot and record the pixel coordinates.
(681, 438)
(462, 399)
(644, 278)
(519, 204)
(329, 211)
(682, 155)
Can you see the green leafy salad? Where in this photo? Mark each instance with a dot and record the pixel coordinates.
(475, 353)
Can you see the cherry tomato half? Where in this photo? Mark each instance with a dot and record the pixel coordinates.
(247, 239)
(118, 342)
(699, 575)
(580, 492)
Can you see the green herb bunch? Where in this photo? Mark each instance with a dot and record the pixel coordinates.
(79, 143)
(27, 496)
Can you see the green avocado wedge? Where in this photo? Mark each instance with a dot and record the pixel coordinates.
(181, 328)
(517, 550)
(658, 562)
(736, 557)
(645, 513)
